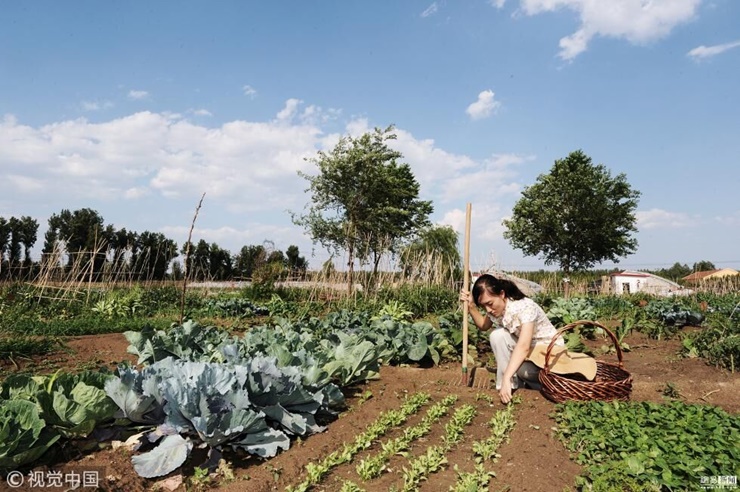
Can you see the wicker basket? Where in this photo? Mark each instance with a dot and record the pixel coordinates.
(612, 382)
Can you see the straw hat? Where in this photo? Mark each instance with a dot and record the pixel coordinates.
(564, 362)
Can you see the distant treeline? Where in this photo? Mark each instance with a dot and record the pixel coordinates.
(79, 245)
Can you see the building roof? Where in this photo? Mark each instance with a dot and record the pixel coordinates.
(649, 278)
(696, 276)
(627, 273)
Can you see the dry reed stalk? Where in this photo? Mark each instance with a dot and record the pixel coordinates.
(187, 254)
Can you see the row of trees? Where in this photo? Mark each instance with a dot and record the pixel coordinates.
(17, 237)
(260, 262)
(678, 270)
(80, 244)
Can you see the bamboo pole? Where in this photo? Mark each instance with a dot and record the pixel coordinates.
(466, 287)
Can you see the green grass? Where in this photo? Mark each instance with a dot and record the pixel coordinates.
(87, 325)
(26, 346)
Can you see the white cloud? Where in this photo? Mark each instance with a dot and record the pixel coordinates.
(637, 21)
(485, 220)
(201, 112)
(497, 3)
(431, 10)
(493, 176)
(137, 95)
(134, 193)
(95, 105)
(662, 219)
(249, 91)
(244, 163)
(290, 110)
(159, 162)
(702, 52)
(358, 126)
(484, 106)
(433, 167)
(315, 115)
(732, 220)
(25, 184)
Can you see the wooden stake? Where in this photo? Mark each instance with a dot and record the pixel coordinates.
(466, 287)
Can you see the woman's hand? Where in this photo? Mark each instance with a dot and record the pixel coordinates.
(481, 321)
(466, 296)
(505, 392)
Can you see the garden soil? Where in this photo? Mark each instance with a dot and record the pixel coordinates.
(533, 459)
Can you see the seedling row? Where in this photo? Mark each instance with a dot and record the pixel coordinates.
(414, 461)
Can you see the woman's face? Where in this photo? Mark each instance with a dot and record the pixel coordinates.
(493, 304)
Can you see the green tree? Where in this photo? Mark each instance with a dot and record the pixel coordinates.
(295, 262)
(575, 216)
(177, 273)
(17, 237)
(433, 256)
(198, 260)
(703, 266)
(219, 263)
(14, 246)
(249, 259)
(277, 256)
(363, 201)
(675, 272)
(23, 233)
(123, 247)
(4, 240)
(154, 253)
(81, 235)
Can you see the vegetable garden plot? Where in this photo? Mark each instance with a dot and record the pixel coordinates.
(314, 354)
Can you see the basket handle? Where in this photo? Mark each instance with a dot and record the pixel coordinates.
(573, 325)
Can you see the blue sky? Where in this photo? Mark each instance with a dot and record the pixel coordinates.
(136, 109)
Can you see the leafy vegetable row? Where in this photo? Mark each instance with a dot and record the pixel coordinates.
(648, 446)
(315, 472)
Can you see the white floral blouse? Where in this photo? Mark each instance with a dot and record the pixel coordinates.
(519, 312)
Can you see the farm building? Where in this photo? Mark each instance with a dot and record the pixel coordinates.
(629, 282)
(698, 277)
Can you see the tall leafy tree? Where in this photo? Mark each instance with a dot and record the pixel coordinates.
(122, 251)
(219, 263)
(675, 272)
(154, 253)
(363, 200)
(4, 241)
(81, 235)
(28, 235)
(277, 256)
(433, 255)
(198, 260)
(576, 216)
(295, 262)
(23, 235)
(703, 266)
(274, 267)
(14, 245)
(249, 259)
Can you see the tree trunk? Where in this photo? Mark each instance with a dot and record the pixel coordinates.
(566, 282)
(351, 267)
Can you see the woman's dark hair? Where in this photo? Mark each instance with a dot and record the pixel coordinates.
(495, 286)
